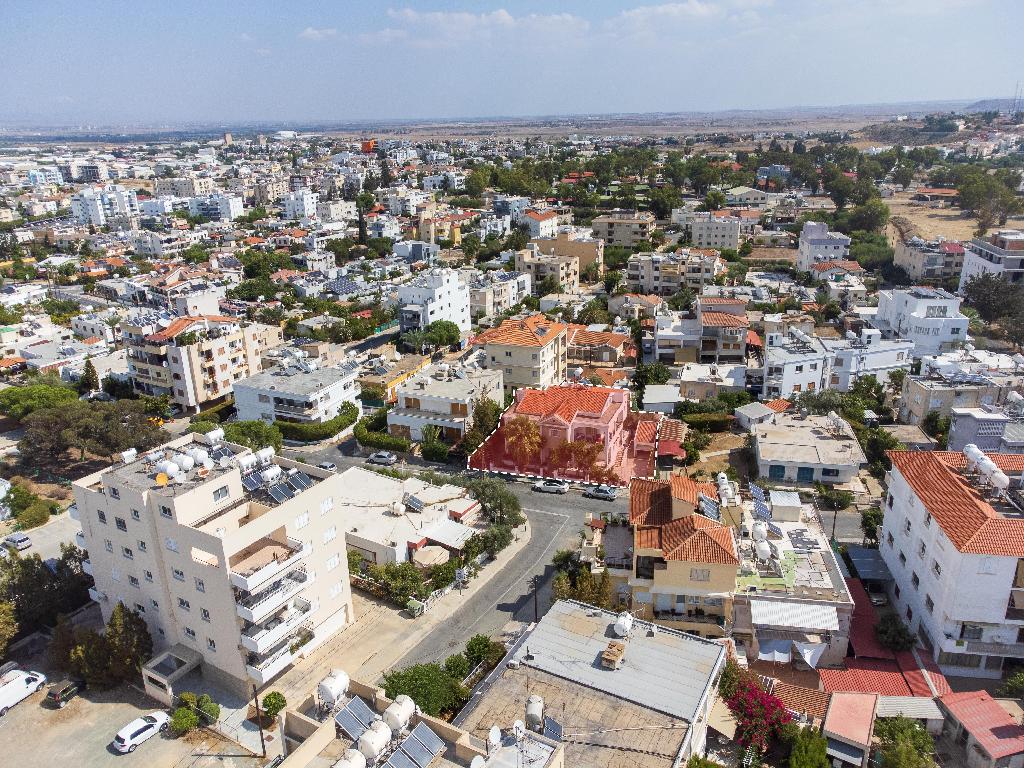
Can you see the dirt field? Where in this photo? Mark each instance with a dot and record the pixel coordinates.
(949, 223)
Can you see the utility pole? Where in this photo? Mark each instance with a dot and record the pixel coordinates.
(535, 583)
(259, 719)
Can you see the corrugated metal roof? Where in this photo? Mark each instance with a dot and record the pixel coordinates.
(916, 707)
(780, 613)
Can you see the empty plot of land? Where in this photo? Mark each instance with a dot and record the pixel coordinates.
(932, 222)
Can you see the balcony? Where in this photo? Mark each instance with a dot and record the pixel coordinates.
(260, 638)
(87, 567)
(96, 595)
(73, 512)
(265, 559)
(258, 606)
(80, 540)
(263, 670)
(1015, 650)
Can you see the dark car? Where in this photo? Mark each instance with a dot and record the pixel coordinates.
(64, 691)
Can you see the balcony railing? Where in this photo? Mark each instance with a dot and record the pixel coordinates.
(266, 560)
(87, 567)
(258, 606)
(1015, 650)
(260, 638)
(263, 671)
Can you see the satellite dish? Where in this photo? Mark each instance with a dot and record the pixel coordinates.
(161, 479)
(519, 729)
(181, 478)
(494, 736)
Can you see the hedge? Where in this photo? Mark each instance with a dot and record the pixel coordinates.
(369, 434)
(435, 451)
(709, 422)
(220, 412)
(312, 432)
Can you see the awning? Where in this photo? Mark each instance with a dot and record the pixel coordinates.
(845, 752)
(774, 650)
(868, 563)
(779, 613)
(449, 533)
(671, 448)
(428, 556)
(811, 652)
(721, 719)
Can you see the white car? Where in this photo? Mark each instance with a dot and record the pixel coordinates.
(17, 685)
(139, 730)
(551, 486)
(18, 541)
(330, 466)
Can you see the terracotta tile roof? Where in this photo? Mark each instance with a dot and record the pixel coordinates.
(707, 301)
(967, 519)
(948, 247)
(565, 402)
(691, 539)
(538, 216)
(913, 674)
(579, 336)
(866, 676)
(939, 682)
(843, 264)
(753, 340)
(991, 725)
(779, 406)
(672, 429)
(533, 331)
(799, 699)
(608, 376)
(650, 502)
(937, 191)
(11, 362)
(181, 324)
(646, 431)
(686, 489)
(91, 340)
(722, 320)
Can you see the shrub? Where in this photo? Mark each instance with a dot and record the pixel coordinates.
(369, 433)
(273, 703)
(759, 715)
(709, 422)
(477, 649)
(188, 699)
(35, 515)
(458, 666)
(209, 708)
(893, 633)
(437, 452)
(311, 433)
(429, 685)
(184, 720)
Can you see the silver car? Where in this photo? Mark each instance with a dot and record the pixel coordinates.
(18, 541)
(551, 486)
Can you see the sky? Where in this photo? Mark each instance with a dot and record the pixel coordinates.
(101, 62)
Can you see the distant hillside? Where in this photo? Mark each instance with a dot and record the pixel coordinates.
(990, 105)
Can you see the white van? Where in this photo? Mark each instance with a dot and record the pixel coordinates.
(17, 685)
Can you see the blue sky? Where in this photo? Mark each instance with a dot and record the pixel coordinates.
(106, 62)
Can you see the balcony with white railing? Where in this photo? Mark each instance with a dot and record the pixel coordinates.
(80, 539)
(263, 669)
(96, 595)
(264, 560)
(257, 606)
(260, 638)
(73, 512)
(87, 567)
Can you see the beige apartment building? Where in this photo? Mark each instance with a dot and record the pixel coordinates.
(664, 274)
(236, 560)
(530, 351)
(184, 186)
(589, 250)
(269, 190)
(539, 266)
(925, 261)
(625, 228)
(195, 359)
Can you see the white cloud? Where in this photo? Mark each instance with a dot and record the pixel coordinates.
(245, 37)
(312, 33)
(445, 28)
(262, 51)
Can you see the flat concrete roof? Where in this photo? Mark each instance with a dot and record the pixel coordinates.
(799, 439)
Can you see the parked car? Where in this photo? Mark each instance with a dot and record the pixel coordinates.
(878, 598)
(330, 466)
(17, 685)
(384, 458)
(18, 541)
(551, 486)
(139, 730)
(603, 492)
(61, 693)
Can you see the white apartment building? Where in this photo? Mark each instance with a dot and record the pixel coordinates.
(183, 186)
(163, 206)
(96, 206)
(712, 231)
(165, 245)
(929, 317)
(794, 448)
(794, 363)
(953, 544)
(818, 245)
(438, 294)
(298, 390)
(866, 355)
(1001, 254)
(336, 210)
(236, 560)
(299, 205)
(105, 325)
(664, 274)
(496, 292)
(444, 398)
(541, 223)
(216, 207)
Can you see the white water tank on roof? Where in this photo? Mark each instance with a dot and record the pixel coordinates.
(399, 713)
(763, 550)
(167, 466)
(535, 713)
(333, 688)
(759, 532)
(265, 454)
(215, 435)
(373, 742)
(352, 758)
(246, 462)
(623, 624)
(270, 474)
(1000, 480)
(184, 461)
(199, 455)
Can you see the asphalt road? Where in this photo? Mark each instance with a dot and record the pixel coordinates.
(46, 539)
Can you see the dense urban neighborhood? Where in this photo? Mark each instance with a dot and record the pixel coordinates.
(506, 448)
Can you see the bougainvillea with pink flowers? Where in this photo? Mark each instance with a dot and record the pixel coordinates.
(759, 715)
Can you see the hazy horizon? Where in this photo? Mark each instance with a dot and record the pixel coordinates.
(109, 63)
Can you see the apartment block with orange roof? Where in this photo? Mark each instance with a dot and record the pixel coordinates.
(530, 351)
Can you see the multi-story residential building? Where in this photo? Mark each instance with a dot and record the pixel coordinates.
(235, 560)
(216, 207)
(383, 225)
(817, 245)
(439, 294)
(194, 360)
(163, 206)
(574, 242)
(93, 172)
(674, 340)
(104, 325)
(635, 306)
(299, 205)
(999, 429)
(710, 231)
(933, 261)
(598, 348)
(530, 351)
(748, 196)
(493, 293)
(967, 378)
(183, 186)
(513, 207)
(866, 355)
(110, 205)
(336, 210)
(786, 322)
(929, 317)
(953, 538)
(541, 224)
(564, 270)
(298, 391)
(807, 449)
(39, 177)
(417, 251)
(625, 228)
(665, 274)
(795, 362)
(164, 245)
(723, 330)
(1002, 254)
(443, 398)
(269, 190)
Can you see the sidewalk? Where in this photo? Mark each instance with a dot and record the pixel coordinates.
(383, 634)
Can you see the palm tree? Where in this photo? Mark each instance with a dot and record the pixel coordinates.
(522, 440)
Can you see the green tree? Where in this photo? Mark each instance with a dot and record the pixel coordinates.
(522, 440)
(870, 521)
(129, 640)
(477, 649)
(253, 434)
(457, 665)
(499, 503)
(8, 625)
(19, 402)
(561, 587)
(184, 720)
(62, 643)
(714, 200)
(809, 750)
(273, 703)
(90, 658)
(89, 380)
(443, 333)
(892, 633)
(1014, 685)
(355, 561)
(429, 685)
(893, 730)
(987, 293)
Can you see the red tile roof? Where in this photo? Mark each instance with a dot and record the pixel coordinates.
(646, 431)
(948, 247)
(672, 429)
(967, 519)
(779, 406)
(579, 336)
(866, 676)
(691, 539)
(721, 301)
(686, 489)
(538, 216)
(722, 320)
(843, 264)
(566, 402)
(533, 331)
(913, 674)
(939, 682)
(804, 700)
(753, 340)
(650, 502)
(991, 725)
(11, 362)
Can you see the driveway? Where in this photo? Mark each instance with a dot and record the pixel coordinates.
(46, 539)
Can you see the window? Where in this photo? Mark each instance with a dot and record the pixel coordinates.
(906, 526)
(302, 521)
(987, 566)
(337, 589)
(936, 568)
(200, 585)
(910, 613)
(165, 511)
(154, 603)
(190, 633)
(108, 545)
(333, 562)
(204, 614)
(896, 591)
(148, 575)
(171, 544)
(326, 505)
(211, 644)
(114, 493)
(140, 608)
(101, 516)
(915, 580)
(929, 603)
(888, 501)
(136, 515)
(889, 538)
(121, 524)
(921, 549)
(221, 493)
(179, 574)
(970, 632)
(330, 534)
(133, 580)
(903, 559)
(927, 520)
(700, 574)
(127, 552)
(826, 472)
(184, 604)
(959, 659)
